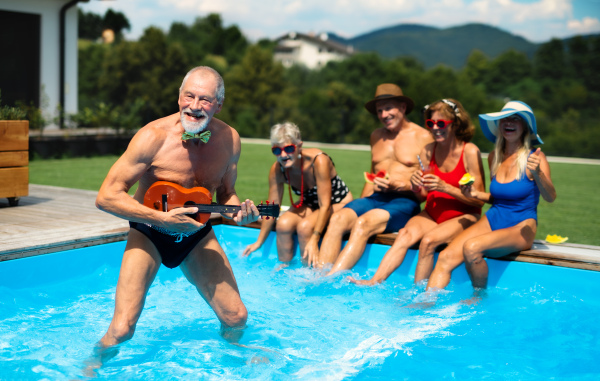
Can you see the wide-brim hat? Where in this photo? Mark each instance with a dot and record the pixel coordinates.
(489, 122)
(389, 91)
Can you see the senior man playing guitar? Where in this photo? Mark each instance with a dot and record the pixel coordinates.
(192, 149)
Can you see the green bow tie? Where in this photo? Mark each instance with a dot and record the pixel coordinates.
(204, 136)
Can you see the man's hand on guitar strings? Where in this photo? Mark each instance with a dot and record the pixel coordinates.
(248, 213)
(178, 220)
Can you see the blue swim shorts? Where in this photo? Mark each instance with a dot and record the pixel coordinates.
(172, 247)
(401, 207)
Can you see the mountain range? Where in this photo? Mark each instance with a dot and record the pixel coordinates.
(432, 46)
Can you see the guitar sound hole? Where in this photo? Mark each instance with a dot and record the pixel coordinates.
(191, 203)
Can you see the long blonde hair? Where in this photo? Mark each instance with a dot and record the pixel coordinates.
(522, 153)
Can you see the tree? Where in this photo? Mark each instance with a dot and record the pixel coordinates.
(115, 21)
(361, 72)
(149, 69)
(593, 81)
(91, 59)
(92, 25)
(208, 36)
(549, 61)
(508, 68)
(477, 67)
(253, 90)
(89, 25)
(579, 57)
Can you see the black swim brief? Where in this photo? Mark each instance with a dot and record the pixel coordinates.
(172, 247)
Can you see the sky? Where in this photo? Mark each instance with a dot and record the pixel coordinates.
(535, 20)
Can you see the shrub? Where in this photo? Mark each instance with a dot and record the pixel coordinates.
(11, 113)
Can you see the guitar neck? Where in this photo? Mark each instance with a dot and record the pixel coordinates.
(214, 208)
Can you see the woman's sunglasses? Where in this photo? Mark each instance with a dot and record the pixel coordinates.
(513, 119)
(289, 149)
(441, 123)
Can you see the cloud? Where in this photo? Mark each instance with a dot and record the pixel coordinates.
(513, 12)
(588, 25)
(536, 20)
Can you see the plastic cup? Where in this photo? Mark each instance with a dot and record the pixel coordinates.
(427, 170)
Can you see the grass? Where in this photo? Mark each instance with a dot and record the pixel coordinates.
(574, 214)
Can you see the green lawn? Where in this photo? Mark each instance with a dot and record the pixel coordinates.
(574, 214)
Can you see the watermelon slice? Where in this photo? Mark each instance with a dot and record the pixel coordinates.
(369, 177)
(467, 179)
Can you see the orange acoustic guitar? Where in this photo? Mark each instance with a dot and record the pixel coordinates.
(165, 196)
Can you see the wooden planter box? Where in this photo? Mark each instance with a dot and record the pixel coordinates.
(14, 160)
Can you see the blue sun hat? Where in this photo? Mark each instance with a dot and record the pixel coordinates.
(489, 122)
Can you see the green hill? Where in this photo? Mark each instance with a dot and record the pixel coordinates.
(432, 46)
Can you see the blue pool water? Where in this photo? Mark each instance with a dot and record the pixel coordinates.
(538, 322)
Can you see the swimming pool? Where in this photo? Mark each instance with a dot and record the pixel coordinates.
(538, 322)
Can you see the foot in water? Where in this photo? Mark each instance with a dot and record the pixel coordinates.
(100, 355)
(478, 295)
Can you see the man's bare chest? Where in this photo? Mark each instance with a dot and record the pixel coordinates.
(398, 151)
(190, 166)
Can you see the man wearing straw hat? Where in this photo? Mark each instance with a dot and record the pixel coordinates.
(388, 202)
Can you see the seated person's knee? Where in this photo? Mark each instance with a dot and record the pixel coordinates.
(404, 239)
(304, 229)
(285, 225)
(448, 260)
(337, 222)
(362, 224)
(428, 244)
(472, 251)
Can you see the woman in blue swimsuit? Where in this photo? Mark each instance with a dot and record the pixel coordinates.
(311, 176)
(519, 175)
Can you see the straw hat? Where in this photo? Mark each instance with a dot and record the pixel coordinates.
(489, 122)
(389, 91)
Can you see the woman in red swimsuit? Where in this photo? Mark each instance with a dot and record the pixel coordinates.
(447, 211)
(310, 174)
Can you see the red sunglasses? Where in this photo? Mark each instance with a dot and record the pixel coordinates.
(441, 123)
(289, 149)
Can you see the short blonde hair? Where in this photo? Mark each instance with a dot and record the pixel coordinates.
(283, 132)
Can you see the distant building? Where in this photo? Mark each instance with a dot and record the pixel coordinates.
(309, 50)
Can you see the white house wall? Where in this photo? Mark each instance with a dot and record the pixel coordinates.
(50, 48)
(307, 53)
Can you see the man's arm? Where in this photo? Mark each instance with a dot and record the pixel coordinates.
(368, 188)
(127, 170)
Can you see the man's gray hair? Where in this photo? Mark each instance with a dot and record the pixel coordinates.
(220, 82)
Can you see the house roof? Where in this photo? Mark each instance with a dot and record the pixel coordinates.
(321, 39)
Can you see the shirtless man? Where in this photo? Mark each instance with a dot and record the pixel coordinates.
(167, 149)
(388, 203)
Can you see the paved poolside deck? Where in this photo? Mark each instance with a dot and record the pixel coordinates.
(54, 219)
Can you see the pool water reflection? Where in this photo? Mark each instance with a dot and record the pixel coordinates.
(537, 322)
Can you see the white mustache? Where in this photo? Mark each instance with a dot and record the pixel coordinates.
(195, 113)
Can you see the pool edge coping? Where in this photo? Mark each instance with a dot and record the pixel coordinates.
(541, 253)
